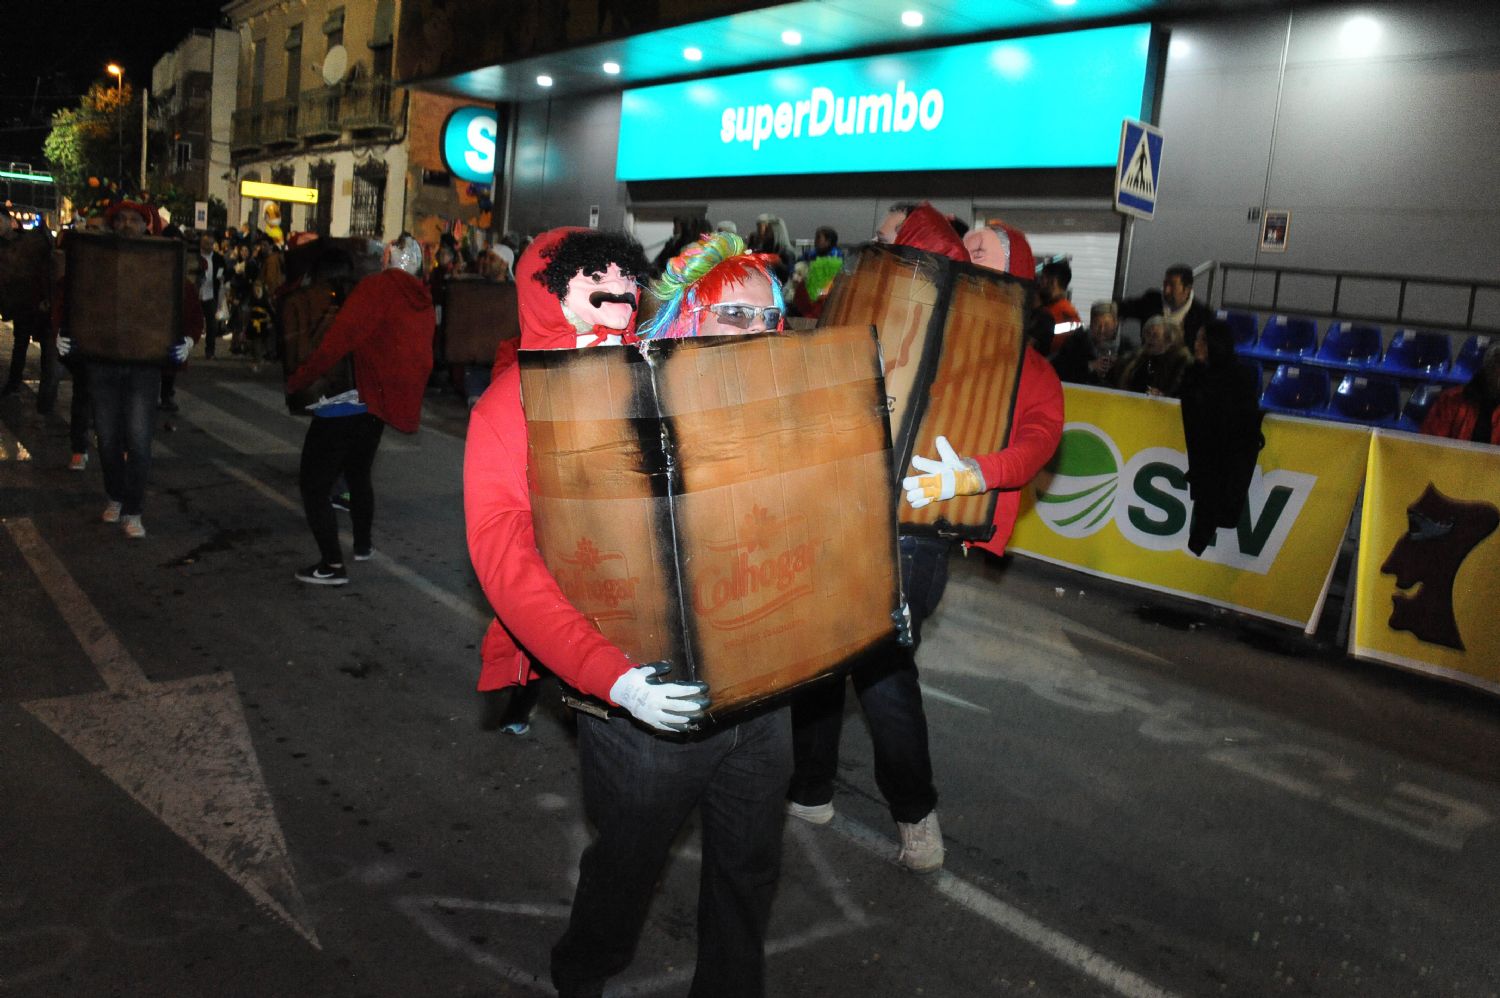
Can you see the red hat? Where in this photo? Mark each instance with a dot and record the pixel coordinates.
(150, 214)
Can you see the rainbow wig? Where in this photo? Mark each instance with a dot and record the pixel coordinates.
(701, 273)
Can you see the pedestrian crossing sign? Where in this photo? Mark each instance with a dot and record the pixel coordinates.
(1139, 169)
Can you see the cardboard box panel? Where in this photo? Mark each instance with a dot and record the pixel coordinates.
(123, 296)
(952, 337)
(478, 315)
(732, 498)
(306, 315)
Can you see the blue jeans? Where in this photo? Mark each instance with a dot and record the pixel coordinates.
(124, 397)
(891, 698)
(638, 789)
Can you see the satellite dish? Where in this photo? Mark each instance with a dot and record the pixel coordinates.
(335, 64)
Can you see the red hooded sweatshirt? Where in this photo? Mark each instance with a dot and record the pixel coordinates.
(1037, 424)
(530, 609)
(388, 323)
(928, 229)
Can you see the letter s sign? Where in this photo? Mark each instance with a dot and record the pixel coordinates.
(470, 141)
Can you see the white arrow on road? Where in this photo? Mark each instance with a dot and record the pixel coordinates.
(182, 749)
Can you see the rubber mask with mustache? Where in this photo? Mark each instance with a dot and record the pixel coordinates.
(602, 299)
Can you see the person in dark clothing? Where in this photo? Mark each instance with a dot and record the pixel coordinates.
(1221, 421)
(25, 290)
(1157, 368)
(1090, 358)
(386, 325)
(1174, 301)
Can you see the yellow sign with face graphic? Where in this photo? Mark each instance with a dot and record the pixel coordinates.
(1429, 558)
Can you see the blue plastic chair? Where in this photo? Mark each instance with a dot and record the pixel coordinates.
(1417, 404)
(1349, 347)
(1245, 326)
(1470, 355)
(1368, 399)
(1298, 389)
(1287, 338)
(1416, 353)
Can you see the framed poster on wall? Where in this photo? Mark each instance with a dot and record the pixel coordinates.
(1274, 227)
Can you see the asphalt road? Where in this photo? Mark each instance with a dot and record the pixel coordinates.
(216, 781)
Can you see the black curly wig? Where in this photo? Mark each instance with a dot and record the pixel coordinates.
(591, 253)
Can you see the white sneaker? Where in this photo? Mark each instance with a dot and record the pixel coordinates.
(813, 814)
(921, 844)
(111, 512)
(134, 528)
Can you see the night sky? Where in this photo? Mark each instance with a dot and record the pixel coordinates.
(52, 50)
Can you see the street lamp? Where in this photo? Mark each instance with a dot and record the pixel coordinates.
(118, 72)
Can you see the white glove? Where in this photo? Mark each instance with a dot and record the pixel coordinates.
(665, 706)
(64, 345)
(943, 479)
(180, 351)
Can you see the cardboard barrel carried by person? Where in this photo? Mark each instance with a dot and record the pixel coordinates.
(951, 336)
(478, 315)
(725, 504)
(122, 296)
(306, 314)
(308, 311)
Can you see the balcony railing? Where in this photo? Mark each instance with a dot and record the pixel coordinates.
(358, 106)
(246, 133)
(279, 122)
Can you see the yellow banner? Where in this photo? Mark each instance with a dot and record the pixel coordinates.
(1429, 559)
(1114, 502)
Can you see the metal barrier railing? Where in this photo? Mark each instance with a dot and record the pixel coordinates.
(1455, 305)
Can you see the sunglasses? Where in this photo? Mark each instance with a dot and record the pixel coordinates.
(744, 316)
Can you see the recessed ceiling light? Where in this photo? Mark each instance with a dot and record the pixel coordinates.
(692, 54)
(791, 37)
(1360, 36)
(912, 18)
(544, 80)
(611, 68)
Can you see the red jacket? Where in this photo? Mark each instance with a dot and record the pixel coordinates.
(1453, 415)
(530, 609)
(1034, 435)
(388, 323)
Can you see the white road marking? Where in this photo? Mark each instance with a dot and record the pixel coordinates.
(422, 584)
(269, 398)
(1012, 920)
(182, 749)
(230, 430)
(948, 698)
(114, 663)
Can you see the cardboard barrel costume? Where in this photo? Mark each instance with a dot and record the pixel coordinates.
(724, 504)
(478, 315)
(123, 296)
(951, 336)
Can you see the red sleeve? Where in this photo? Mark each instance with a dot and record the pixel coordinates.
(502, 546)
(1035, 430)
(356, 320)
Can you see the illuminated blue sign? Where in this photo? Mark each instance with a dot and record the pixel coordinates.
(469, 143)
(1043, 101)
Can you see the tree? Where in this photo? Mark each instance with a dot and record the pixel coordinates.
(95, 142)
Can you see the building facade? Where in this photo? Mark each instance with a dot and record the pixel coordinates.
(192, 98)
(315, 107)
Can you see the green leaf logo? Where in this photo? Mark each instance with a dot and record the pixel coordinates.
(1086, 478)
